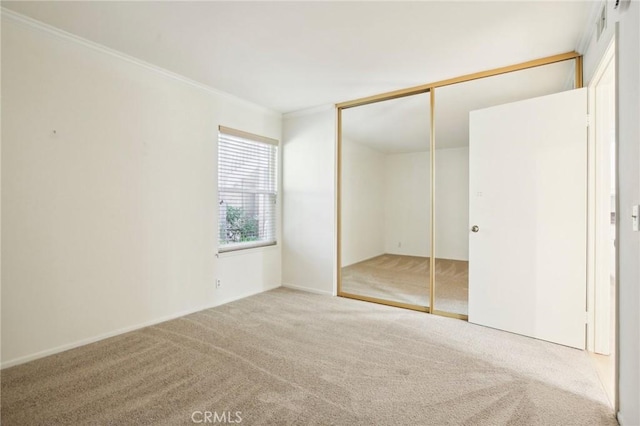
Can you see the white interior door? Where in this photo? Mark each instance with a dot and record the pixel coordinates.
(528, 186)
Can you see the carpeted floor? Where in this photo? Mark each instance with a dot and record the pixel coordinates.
(406, 279)
(292, 358)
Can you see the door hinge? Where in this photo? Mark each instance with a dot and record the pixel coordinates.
(588, 120)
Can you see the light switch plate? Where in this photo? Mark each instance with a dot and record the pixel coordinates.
(635, 212)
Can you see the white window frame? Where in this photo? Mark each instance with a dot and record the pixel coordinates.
(237, 246)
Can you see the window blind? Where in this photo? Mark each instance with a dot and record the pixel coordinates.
(247, 190)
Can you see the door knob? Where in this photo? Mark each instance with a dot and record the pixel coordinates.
(475, 228)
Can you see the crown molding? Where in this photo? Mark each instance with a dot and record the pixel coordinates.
(57, 32)
(308, 111)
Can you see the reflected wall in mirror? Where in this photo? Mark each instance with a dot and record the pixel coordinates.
(452, 226)
(386, 200)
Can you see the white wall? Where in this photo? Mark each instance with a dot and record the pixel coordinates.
(308, 252)
(363, 203)
(109, 194)
(628, 74)
(408, 204)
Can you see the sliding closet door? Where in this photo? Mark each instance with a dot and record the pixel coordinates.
(451, 155)
(404, 185)
(385, 208)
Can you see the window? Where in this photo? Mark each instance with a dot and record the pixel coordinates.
(247, 189)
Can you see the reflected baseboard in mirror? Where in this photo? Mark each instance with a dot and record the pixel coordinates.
(405, 279)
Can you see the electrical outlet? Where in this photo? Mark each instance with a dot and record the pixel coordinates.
(218, 283)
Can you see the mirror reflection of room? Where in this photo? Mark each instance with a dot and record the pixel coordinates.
(386, 188)
(386, 200)
(452, 218)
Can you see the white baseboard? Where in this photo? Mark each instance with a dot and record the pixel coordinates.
(93, 339)
(308, 289)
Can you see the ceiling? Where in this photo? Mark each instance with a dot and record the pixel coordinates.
(391, 127)
(290, 56)
(403, 125)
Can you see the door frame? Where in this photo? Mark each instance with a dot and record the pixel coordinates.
(594, 152)
(431, 88)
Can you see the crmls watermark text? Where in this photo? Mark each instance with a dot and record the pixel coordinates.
(224, 417)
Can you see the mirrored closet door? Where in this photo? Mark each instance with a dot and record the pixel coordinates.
(405, 174)
(385, 201)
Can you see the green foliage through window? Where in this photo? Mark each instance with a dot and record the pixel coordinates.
(239, 227)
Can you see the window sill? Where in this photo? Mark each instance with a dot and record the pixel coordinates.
(248, 250)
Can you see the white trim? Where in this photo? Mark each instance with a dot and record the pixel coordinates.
(123, 330)
(33, 23)
(231, 133)
(248, 250)
(308, 111)
(307, 289)
(620, 419)
(234, 247)
(592, 188)
(604, 60)
(83, 342)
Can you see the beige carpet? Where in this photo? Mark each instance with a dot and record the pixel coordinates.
(291, 358)
(406, 279)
